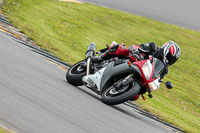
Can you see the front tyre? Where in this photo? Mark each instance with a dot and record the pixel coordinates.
(113, 96)
(75, 74)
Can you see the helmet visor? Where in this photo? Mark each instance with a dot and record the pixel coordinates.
(170, 59)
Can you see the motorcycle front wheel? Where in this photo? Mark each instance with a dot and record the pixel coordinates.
(75, 74)
(112, 95)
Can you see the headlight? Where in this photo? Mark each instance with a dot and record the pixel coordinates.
(146, 68)
(153, 86)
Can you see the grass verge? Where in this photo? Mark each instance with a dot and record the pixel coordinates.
(3, 130)
(65, 29)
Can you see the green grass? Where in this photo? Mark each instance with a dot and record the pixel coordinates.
(65, 29)
(3, 130)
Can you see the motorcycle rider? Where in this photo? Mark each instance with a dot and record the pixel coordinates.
(168, 53)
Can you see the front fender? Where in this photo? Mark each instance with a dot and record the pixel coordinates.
(113, 70)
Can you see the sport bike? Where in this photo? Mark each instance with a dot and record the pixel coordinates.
(117, 80)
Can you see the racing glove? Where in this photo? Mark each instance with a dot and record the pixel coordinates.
(96, 59)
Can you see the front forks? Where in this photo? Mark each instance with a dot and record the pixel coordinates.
(88, 66)
(125, 82)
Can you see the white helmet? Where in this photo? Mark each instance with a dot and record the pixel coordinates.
(171, 52)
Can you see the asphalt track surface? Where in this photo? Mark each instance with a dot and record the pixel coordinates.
(36, 98)
(184, 13)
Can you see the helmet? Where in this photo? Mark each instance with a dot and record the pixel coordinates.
(113, 47)
(171, 52)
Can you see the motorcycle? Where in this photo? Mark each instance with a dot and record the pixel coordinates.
(117, 80)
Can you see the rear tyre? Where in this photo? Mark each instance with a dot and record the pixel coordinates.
(113, 96)
(75, 74)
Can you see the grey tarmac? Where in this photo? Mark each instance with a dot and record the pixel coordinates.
(184, 13)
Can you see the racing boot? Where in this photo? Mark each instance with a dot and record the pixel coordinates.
(104, 56)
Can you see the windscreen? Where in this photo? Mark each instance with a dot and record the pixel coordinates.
(158, 67)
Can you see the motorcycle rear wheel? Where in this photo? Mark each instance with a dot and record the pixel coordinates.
(113, 96)
(75, 74)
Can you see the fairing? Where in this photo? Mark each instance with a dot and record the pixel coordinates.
(101, 77)
(114, 70)
(158, 67)
(94, 80)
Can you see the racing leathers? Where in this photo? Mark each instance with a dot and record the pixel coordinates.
(133, 53)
